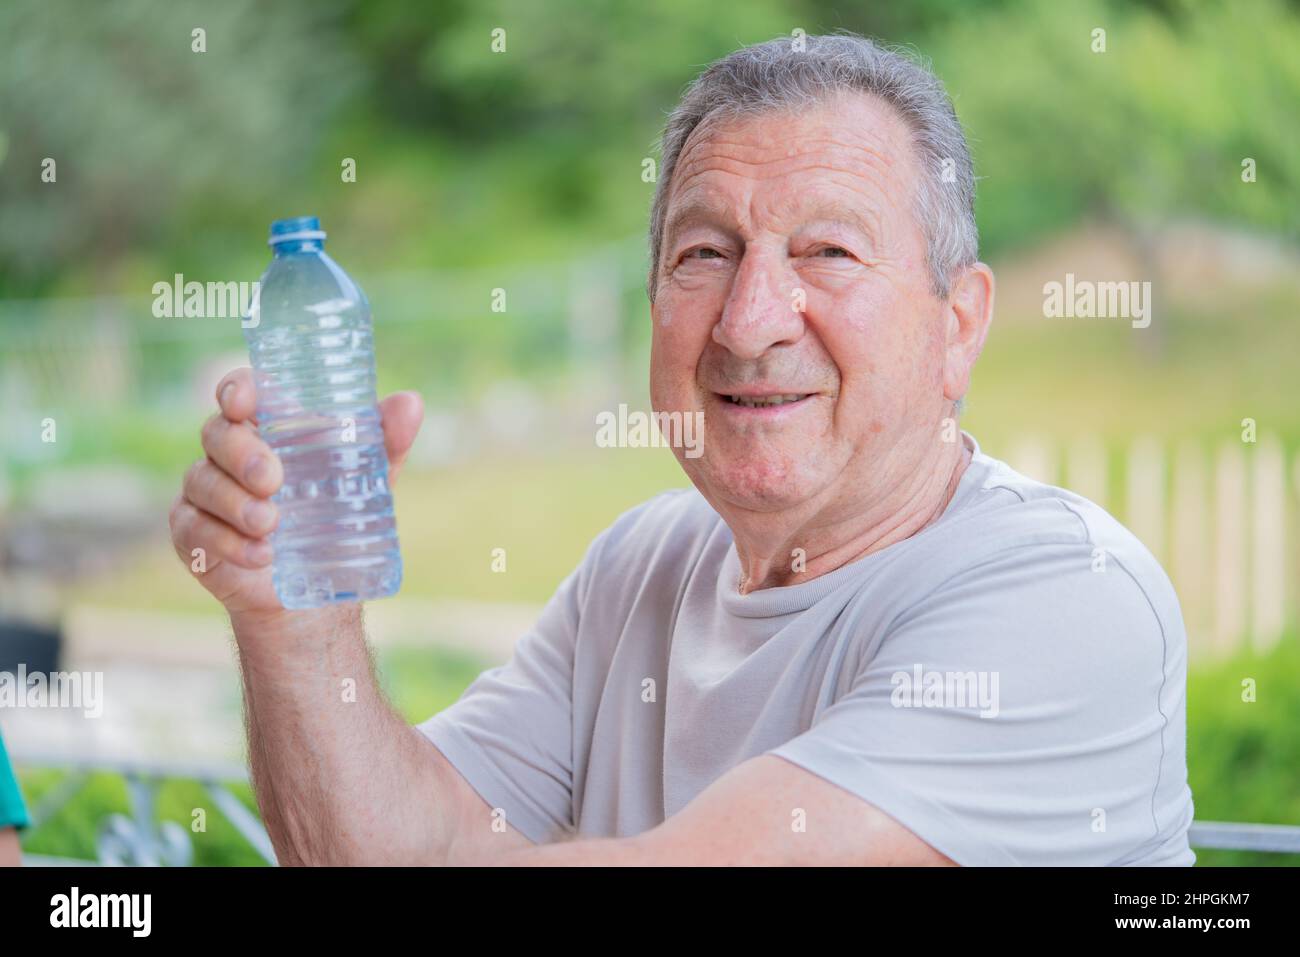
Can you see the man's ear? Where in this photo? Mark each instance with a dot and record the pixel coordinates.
(968, 313)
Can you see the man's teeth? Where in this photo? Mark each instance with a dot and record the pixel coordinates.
(758, 401)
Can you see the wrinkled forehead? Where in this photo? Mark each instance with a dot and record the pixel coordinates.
(852, 142)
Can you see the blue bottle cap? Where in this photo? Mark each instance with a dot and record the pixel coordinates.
(295, 229)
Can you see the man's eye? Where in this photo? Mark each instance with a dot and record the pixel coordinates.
(834, 252)
(704, 252)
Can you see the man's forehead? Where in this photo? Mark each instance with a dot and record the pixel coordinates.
(845, 128)
(701, 203)
(852, 144)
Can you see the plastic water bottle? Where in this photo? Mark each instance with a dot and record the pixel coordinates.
(312, 350)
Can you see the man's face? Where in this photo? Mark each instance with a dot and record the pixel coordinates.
(793, 264)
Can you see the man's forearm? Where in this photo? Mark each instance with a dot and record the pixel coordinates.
(340, 777)
(590, 852)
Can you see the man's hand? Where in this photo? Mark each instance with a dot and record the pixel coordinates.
(225, 509)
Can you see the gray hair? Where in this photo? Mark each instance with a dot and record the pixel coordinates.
(797, 72)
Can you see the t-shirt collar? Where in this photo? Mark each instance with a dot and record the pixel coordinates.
(788, 599)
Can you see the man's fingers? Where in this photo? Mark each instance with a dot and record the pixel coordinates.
(400, 414)
(237, 395)
(241, 454)
(211, 490)
(193, 528)
(232, 443)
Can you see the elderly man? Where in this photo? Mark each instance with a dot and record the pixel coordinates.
(858, 640)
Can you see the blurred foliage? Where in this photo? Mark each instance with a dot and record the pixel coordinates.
(176, 161)
(73, 832)
(142, 129)
(1245, 756)
(1154, 128)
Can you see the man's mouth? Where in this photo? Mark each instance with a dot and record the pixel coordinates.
(765, 401)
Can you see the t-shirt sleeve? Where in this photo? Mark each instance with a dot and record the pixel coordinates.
(13, 812)
(511, 733)
(1019, 716)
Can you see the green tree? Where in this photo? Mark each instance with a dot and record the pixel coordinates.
(140, 124)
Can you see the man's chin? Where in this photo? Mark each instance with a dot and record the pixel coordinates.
(752, 485)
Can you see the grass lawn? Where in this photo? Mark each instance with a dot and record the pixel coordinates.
(543, 512)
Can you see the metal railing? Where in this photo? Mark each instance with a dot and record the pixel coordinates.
(140, 839)
(1222, 836)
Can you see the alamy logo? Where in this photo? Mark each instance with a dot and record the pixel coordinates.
(103, 910)
(1085, 299)
(636, 430)
(946, 689)
(179, 299)
(58, 689)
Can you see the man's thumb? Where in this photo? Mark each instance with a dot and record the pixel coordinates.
(401, 414)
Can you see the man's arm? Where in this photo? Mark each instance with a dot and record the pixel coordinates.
(765, 811)
(340, 777)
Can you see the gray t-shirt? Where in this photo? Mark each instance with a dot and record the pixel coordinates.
(1009, 683)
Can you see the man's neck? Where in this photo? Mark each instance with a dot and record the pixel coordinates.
(799, 551)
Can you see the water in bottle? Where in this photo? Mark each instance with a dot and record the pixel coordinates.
(312, 350)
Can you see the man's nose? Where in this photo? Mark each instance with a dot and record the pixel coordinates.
(760, 309)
